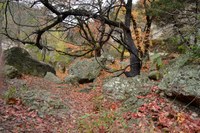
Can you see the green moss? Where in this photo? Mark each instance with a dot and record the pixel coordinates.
(10, 93)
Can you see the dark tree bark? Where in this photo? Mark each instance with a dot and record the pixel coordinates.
(98, 52)
(135, 64)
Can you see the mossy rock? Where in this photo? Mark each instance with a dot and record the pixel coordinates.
(24, 63)
(84, 71)
(11, 72)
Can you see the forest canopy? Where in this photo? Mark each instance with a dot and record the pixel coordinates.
(92, 24)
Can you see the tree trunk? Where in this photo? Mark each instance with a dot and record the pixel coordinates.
(98, 52)
(135, 64)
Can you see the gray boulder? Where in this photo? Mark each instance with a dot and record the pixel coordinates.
(11, 72)
(24, 63)
(39, 99)
(71, 79)
(84, 70)
(121, 89)
(182, 80)
(52, 77)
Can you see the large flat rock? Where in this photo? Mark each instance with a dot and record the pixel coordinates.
(24, 63)
(182, 81)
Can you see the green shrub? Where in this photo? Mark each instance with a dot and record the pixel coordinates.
(156, 61)
(195, 50)
(10, 93)
(13, 92)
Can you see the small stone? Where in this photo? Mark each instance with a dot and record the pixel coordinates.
(194, 115)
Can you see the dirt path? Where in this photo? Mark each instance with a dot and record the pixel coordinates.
(79, 98)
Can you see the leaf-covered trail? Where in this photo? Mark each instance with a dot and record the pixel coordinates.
(79, 99)
(18, 118)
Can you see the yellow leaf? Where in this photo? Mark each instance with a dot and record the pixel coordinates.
(180, 117)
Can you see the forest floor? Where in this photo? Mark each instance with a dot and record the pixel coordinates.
(90, 112)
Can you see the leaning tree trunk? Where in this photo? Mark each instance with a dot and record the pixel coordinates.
(135, 64)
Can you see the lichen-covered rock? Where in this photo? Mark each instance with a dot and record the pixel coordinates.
(11, 72)
(182, 80)
(71, 79)
(85, 70)
(175, 64)
(41, 100)
(52, 77)
(24, 63)
(120, 88)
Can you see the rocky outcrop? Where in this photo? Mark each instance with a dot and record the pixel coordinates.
(37, 99)
(83, 71)
(52, 77)
(43, 101)
(182, 80)
(24, 63)
(11, 72)
(121, 88)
